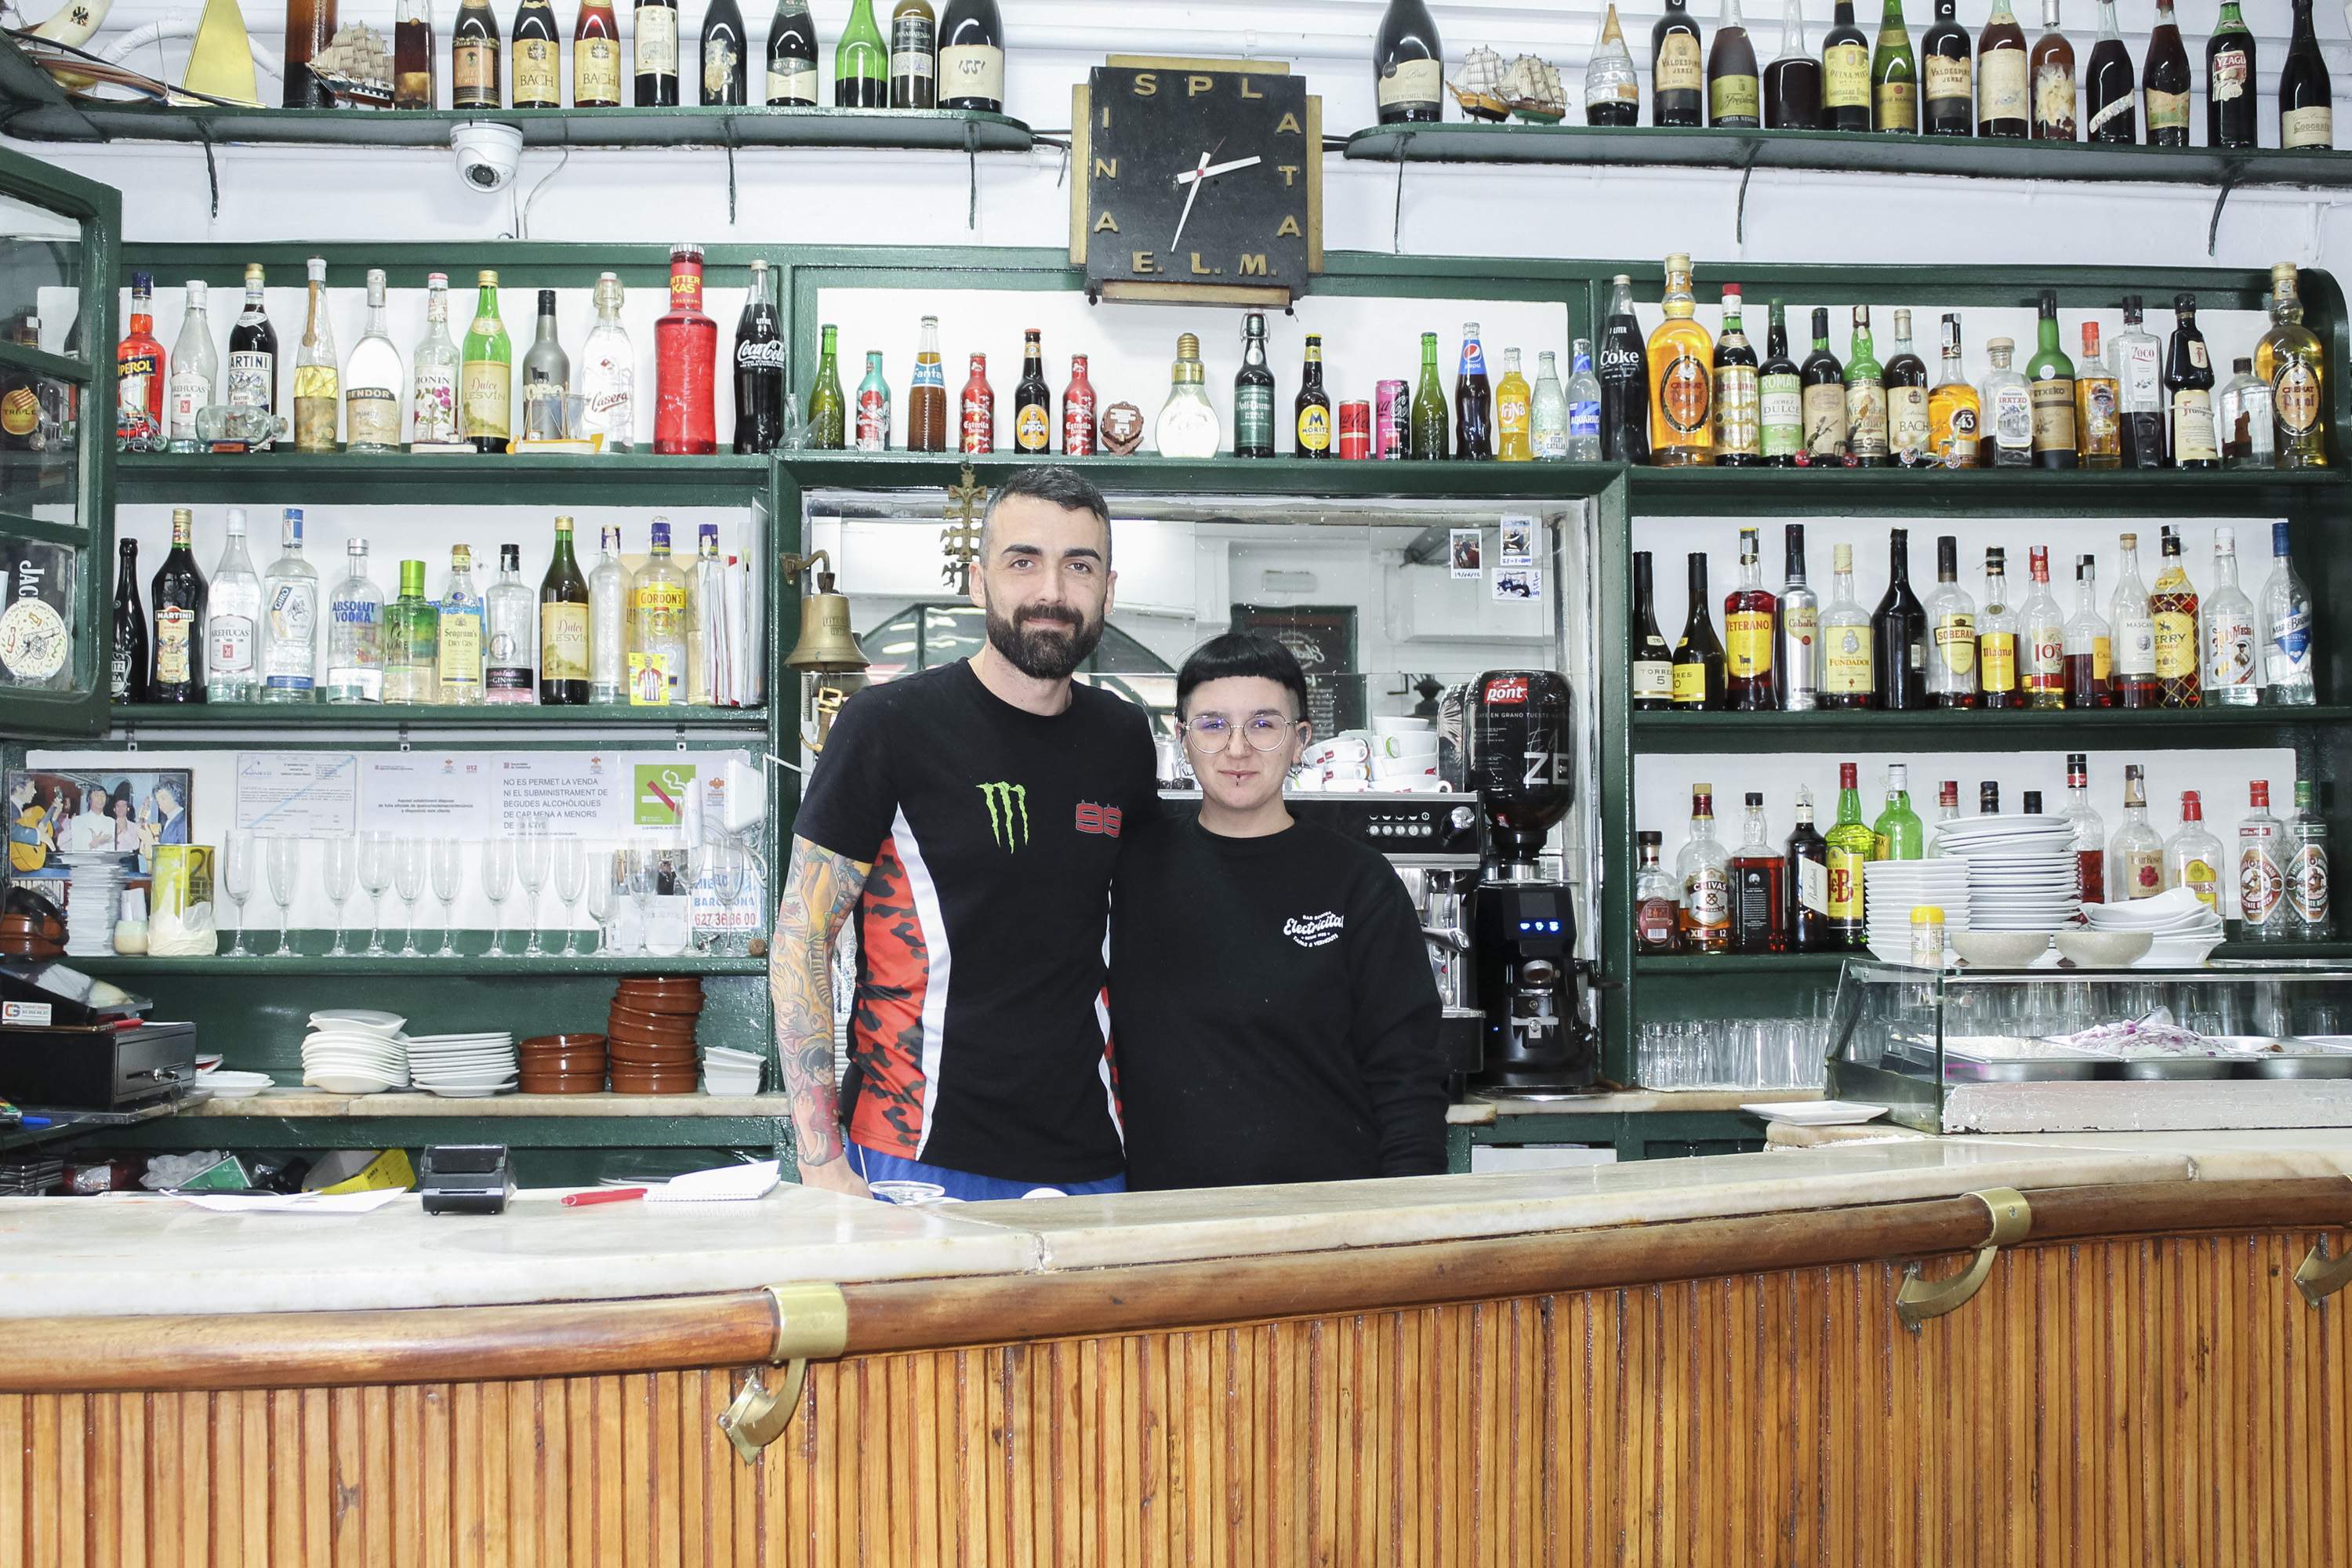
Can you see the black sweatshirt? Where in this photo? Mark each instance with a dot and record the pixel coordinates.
(1273, 1012)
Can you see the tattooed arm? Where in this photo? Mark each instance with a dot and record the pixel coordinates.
(820, 889)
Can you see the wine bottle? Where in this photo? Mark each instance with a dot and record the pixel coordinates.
(1652, 660)
(536, 64)
(792, 55)
(724, 57)
(2110, 92)
(564, 626)
(2306, 107)
(1734, 94)
(1947, 76)
(1677, 72)
(1898, 633)
(1845, 73)
(972, 56)
(1699, 655)
(2166, 80)
(861, 62)
(127, 673)
(656, 58)
(1409, 63)
(177, 674)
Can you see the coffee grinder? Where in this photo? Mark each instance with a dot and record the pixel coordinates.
(1519, 752)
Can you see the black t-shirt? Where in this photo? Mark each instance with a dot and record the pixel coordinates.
(980, 1040)
(1276, 1013)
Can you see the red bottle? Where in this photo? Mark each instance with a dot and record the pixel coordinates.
(686, 359)
(978, 409)
(1748, 620)
(139, 374)
(1078, 412)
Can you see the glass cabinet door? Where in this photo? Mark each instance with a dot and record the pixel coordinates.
(58, 234)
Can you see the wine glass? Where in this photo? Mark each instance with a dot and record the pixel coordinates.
(570, 881)
(448, 869)
(604, 878)
(376, 876)
(649, 874)
(532, 854)
(236, 882)
(408, 878)
(341, 858)
(723, 869)
(498, 881)
(282, 860)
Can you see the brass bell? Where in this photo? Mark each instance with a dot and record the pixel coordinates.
(827, 642)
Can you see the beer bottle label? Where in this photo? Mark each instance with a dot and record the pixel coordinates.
(1315, 428)
(1254, 416)
(1032, 430)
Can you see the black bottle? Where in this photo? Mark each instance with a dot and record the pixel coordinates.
(1823, 381)
(536, 61)
(2166, 81)
(1698, 654)
(792, 55)
(1806, 883)
(1409, 65)
(127, 675)
(1845, 73)
(1773, 377)
(1474, 401)
(1032, 400)
(2110, 91)
(176, 673)
(654, 53)
(2231, 87)
(1946, 56)
(972, 56)
(1624, 374)
(759, 370)
(1649, 656)
(2305, 100)
(724, 60)
(1311, 412)
(2189, 390)
(1898, 633)
(1677, 69)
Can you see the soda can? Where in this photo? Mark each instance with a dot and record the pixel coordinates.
(1392, 414)
(1354, 429)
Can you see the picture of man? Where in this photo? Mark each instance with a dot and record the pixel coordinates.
(970, 815)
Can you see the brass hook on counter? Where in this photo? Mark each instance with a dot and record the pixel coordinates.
(2320, 1276)
(1920, 1300)
(811, 1322)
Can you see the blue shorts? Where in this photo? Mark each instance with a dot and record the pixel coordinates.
(963, 1186)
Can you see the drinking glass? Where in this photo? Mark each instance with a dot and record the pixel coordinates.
(376, 876)
(723, 863)
(498, 881)
(447, 865)
(570, 881)
(532, 852)
(653, 875)
(282, 860)
(604, 879)
(408, 877)
(236, 882)
(342, 861)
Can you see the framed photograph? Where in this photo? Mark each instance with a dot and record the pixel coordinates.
(1466, 553)
(58, 817)
(1518, 543)
(1518, 583)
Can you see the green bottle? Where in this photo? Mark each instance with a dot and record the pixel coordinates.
(1897, 834)
(412, 641)
(2050, 384)
(1893, 75)
(1865, 397)
(1850, 844)
(825, 408)
(873, 433)
(485, 374)
(861, 63)
(1430, 414)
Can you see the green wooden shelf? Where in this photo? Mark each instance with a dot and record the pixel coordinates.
(1742, 963)
(2286, 952)
(341, 717)
(401, 479)
(657, 1132)
(129, 971)
(1284, 476)
(1921, 495)
(1977, 730)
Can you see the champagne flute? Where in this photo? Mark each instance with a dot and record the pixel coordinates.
(531, 856)
(282, 860)
(236, 882)
(376, 876)
(644, 873)
(498, 881)
(723, 863)
(570, 881)
(603, 876)
(408, 878)
(448, 869)
(341, 859)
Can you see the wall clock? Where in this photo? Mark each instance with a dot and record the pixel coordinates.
(1197, 181)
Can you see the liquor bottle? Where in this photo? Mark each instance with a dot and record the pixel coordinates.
(2003, 65)
(413, 74)
(194, 373)
(127, 671)
(2260, 901)
(1989, 800)
(1797, 630)
(459, 636)
(177, 672)
(914, 55)
(511, 627)
(2098, 407)
(2193, 857)
(2286, 630)
(2110, 90)
(1998, 676)
(976, 409)
(1759, 903)
(2041, 638)
(1848, 678)
(654, 60)
(356, 632)
(1893, 75)
(1649, 656)
(232, 630)
(927, 394)
(1078, 403)
(546, 379)
(1624, 379)
(1909, 427)
(1430, 423)
(658, 627)
(432, 396)
(2050, 388)
(309, 27)
(1409, 65)
(1474, 401)
(2090, 833)
(1657, 902)
(861, 62)
(1947, 804)
(1311, 412)
(972, 56)
(1704, 869)
(1253, 394)
(1734, 92)
(2165, 77)
(611, 595)
(2289, 360)
(2310, 914)
(759, 371)
(485, 374)
(1738, 434)
(1749, 613)
(828, 410)
(1866, 397)
(1583, 399)
(1822, 380)
(2007, 417)
(1845, 73)
(873, 415)
(2305, 99)
(706, 587)
(2242, 411)
(1947, 76)
(2228, 620)
(2173, 606)
(2134, 636)
(596, 57)
(1699, 678)
(412, 641)
(608, 374)
(535, 66)
(1898, 834)
(2188, 385)
(1681, 378)
(1793, 81)
(685, 364)
(1187, 426)
(1677, 77)
(792, 57)
(725, 56)
(2135, 853)
(318, 398)
(139, 375)
(1955, 416)
(562, 626)
(2053, 81)
(2139, 389)
(253, 355)
(1898, 634)
(372, 388)
(2231, 85)
(289, 620)
(1548, 416)
(1847, 849)
(1511, 413)
(1952, 623)
(475, 79)
(1779, 397)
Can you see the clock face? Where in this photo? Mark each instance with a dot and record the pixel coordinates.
(1199, 177)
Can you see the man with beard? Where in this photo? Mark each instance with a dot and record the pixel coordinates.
(970, 815)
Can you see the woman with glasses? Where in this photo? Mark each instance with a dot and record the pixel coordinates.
(1272, 1010)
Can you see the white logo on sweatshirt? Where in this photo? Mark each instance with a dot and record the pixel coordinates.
(1313, 930)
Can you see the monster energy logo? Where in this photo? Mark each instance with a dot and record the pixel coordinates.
(1004, 800)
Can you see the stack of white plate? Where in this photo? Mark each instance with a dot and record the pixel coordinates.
(1891, 890)
(729, 1072)
(463, 1066)
(2185, 930)
(226, 1084)
(356, 1051)
(93, 897)
(2021, 874)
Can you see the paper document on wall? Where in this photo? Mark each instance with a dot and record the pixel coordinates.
(297, 795)
(443, 794)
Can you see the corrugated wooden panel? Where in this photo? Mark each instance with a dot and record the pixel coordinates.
(2138, 1401)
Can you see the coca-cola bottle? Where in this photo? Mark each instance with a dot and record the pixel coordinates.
(759, 367)
(686, 357)
(1078, 412)
(1624, 381)
(978, 408)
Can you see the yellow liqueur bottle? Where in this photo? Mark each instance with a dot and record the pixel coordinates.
(1682, 377)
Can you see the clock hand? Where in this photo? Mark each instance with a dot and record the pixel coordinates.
(1195, 190)
(1190, 174)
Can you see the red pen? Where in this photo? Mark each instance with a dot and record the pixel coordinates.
(600, 1195)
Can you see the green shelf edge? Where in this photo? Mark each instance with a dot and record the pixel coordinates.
(408, 715)
(127, 969)
(399, 479)
(1975, 730)
(1921, 494)
(649, 1130)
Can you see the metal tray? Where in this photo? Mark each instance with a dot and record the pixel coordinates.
(2179, 1068)
(2334, 1064)
(2040, 1069)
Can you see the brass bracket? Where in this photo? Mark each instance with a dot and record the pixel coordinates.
(2319, 1276)
(1921, 1299)
(811, 1322)
(793, 563)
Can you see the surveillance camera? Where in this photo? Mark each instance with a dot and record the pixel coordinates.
(486, 153)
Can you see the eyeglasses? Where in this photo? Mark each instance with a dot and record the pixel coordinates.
(1214, 732)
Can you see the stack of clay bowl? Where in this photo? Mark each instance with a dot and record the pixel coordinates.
(651, 1035)
(563, 1064)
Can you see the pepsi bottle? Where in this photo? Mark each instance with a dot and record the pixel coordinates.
(1474, 400)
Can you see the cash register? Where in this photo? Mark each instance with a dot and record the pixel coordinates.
(70, 1041)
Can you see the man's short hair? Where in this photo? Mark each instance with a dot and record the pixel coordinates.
(1241, 653)
(1064, 487)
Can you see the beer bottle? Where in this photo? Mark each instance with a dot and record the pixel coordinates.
(1253, 393)
(1078, 412)
(926, 395)
(1474, 400)
(978, 409)
(827, 410)
(874, 407)
(1428, 405)
(1032, 401)
(1311, 415)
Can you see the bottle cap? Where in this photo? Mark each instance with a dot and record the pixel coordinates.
(1841, 557)
(487, 278)
(1755, 798)
(1846, 775)
(2258, 792)
(143, 283)
(1926, 914)
(2000, 345)
(2191, 808)
(1898, 776)
(2284, 273)
(1948, 793)
(1648, 838)
(441, 279)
